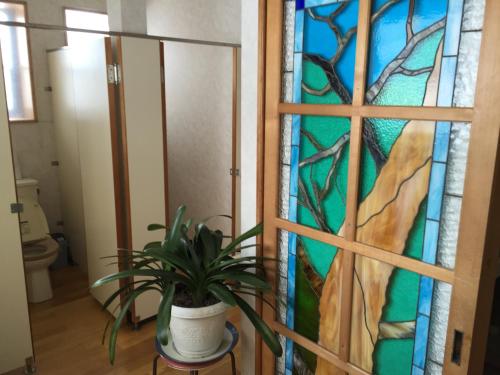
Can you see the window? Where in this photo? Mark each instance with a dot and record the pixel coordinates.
(16, 63)
(83, 19)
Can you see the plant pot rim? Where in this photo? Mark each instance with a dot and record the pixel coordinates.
(198, 312)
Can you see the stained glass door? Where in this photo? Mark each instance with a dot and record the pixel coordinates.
(374, 204)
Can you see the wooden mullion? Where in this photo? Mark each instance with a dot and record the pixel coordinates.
(371, 252)
(318, 350)
(350, 235)
(234, 141)
(479, 238)
(260, 160)
(348, 258)
(272, 130)
(371, 111)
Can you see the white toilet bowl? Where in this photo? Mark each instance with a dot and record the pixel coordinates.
(38, 256)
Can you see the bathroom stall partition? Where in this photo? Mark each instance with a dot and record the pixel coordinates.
(110, 127)
(16, 348)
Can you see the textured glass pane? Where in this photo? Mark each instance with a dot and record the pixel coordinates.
(412, 176)
(306, 295)
(422, 54)
(399, 320)
(314, 158)
(283, 275)
(16, 64)
(319, 45)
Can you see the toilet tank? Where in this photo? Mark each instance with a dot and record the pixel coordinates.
(32, 219)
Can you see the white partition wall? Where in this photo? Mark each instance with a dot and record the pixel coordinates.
(66, 140)
(141, 89)
(15, 343)
(96, 160)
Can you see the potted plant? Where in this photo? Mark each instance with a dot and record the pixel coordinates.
(197, 278)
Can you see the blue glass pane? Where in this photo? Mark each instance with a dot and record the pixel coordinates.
(325, 35)
(414, 47)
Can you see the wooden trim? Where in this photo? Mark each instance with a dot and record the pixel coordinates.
(405, 113)
(274, 21)
(120, 166)
(234, 140)
(260, 159)
(163, 79)
(380, 255)
(318, 349)
(479, 239)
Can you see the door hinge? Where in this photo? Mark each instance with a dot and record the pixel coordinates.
(234, 172)
(16, 208)
(114, 74)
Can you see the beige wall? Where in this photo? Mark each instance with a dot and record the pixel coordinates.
(215, 20)
(33, 144)
(198, 91)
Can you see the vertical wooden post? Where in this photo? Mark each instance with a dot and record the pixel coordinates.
(271, 148)
(260, 158)
(234, 141)
(479, 239)
(353, 178)
(164, 119)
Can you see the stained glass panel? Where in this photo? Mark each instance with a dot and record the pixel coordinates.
(411, 188)
(315, 153)
(319, 51)
(304, 266)
(424, 52)
(399, 319)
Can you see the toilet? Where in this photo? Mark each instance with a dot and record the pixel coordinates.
(39, 249)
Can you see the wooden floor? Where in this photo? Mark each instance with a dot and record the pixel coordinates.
(67, 334)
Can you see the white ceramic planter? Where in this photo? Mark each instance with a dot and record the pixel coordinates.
(198, 332)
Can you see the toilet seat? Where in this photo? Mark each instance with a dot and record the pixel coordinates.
(40, 250)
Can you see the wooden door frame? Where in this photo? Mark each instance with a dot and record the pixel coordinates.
(477, 252)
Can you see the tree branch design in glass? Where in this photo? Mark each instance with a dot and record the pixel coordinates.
(422, 53)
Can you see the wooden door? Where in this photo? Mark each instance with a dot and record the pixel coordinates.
(144, 143)
(381, 138)
(16, 346)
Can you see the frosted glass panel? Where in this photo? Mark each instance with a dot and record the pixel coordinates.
(16, 63)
